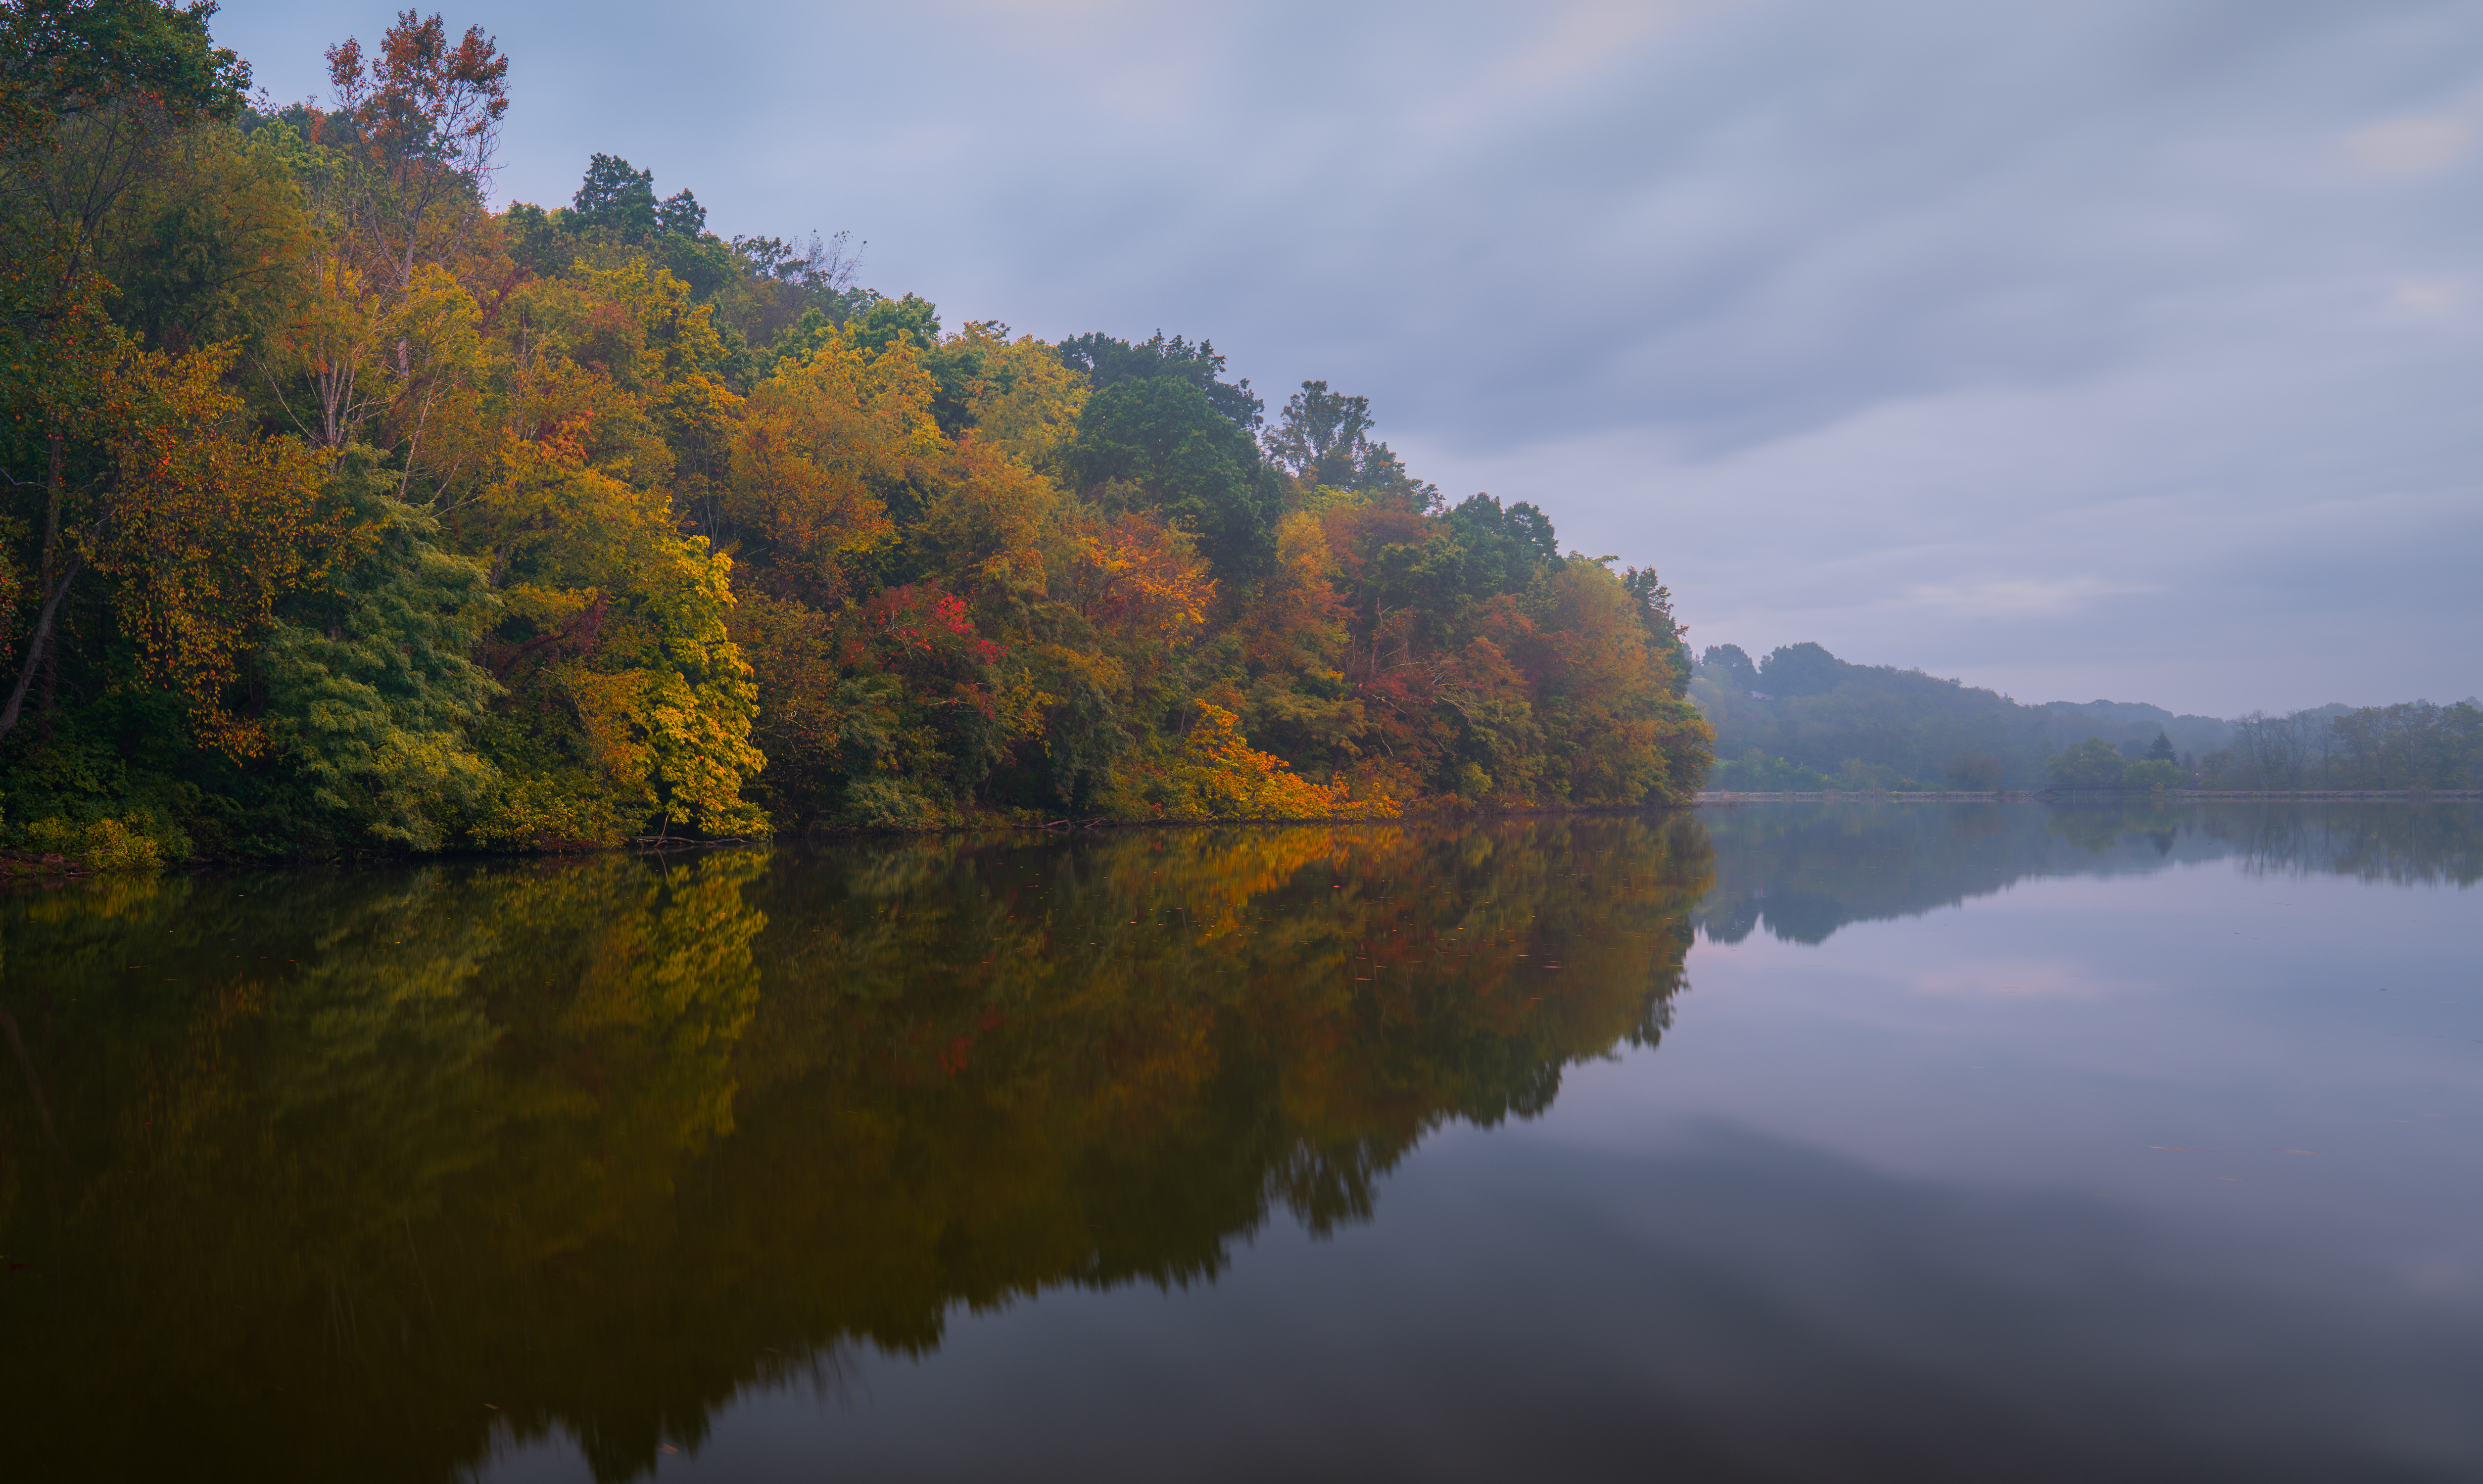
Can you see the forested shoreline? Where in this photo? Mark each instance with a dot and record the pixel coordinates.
(346, 514)
(1802, 720)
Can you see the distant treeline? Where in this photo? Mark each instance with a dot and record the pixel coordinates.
(2414, 745)
(1801, 718)
(343, 512)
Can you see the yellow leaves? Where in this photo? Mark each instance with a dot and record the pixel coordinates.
(433, 357)
(546, 608)
(207, 527)
(815, 442)
(1298, 623)
(698, 708)
(1099, 670)
(701, 738)
(993, 519)
(101, 844)
(1024, 400)
(438, 325)
(663, 709)
(1142, 581)
(332, 339)
(564, 522)
(610, 709)
(552, 386)
(602, 377)
(1217, 776)
(642, 328)
(553, 811)
(1604, 690)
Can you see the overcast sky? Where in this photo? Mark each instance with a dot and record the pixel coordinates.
(2123, 348)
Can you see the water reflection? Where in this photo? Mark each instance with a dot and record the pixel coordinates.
(1804, 870)
(360, 1176)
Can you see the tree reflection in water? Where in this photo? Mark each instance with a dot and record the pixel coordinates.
(358, 1174)
(1806, 869)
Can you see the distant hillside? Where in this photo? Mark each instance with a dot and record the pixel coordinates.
(1804, 718)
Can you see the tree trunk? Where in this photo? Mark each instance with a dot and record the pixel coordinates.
(57, 577)
(38, 647)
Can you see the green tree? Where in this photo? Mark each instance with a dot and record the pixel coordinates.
(1728, 661)
(1800, 670)
(679, 215)
(1655, 612)
(93, 96)
(1972, 773)
(614, 199)
(73, 59)
(911, 321)
(1108, 363)
(2154, 772)
(2093, 763)
(370, 695)
(1323, 440)
(1508, 548)
(1160, 444)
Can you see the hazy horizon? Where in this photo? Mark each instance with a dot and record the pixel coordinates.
(2103, 351)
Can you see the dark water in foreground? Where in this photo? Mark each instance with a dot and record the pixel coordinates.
(1993, 1142)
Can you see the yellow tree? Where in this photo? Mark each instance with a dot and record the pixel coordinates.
(1294, 638)
(1022, 397)
(816, 445)
(1219, 776)
(631, 703)
(203, 525)
(1604, 694)
(397, 174)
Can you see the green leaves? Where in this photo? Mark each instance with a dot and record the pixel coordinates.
(370, 695)
(70, 58)
(614, 199)
(1160, 444)
(2093, 763)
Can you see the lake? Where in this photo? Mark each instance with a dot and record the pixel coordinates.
(1794, 1141)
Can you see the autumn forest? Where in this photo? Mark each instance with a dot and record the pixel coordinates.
(347, 513)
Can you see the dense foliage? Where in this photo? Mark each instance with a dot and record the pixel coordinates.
(343, 514)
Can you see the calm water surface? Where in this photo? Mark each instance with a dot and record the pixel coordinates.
(1781, 1142)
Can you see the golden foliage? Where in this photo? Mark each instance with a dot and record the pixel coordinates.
(1217, 776)
(1142, 581)
(815, 442)
(1025, 402)
(993, 519)
(209, 526)
(1299, 622)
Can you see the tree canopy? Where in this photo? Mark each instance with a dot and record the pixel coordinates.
(347, 512)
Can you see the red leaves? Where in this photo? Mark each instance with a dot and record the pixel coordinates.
(581, 635)
(419, 89)
(929, 637)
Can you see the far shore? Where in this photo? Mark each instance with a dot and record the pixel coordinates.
(2074, 795)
